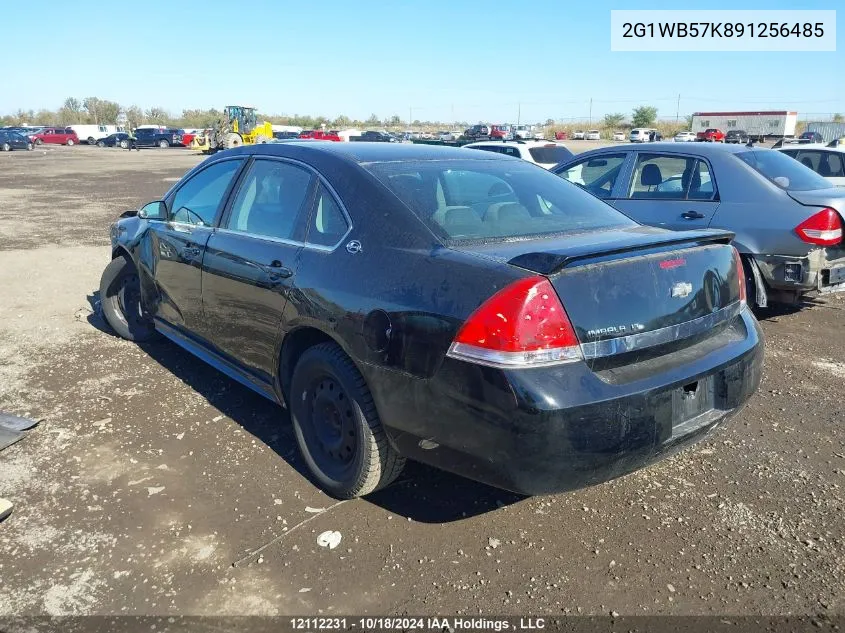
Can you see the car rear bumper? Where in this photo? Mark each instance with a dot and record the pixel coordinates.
(538, 431)
(822, 270)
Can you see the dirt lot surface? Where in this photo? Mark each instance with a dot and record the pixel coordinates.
(152, 477)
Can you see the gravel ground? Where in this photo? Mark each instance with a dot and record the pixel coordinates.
(152, 477)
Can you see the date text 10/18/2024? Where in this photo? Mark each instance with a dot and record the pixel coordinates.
(420, 623)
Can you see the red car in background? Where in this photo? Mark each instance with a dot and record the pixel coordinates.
(501, 131)
(56, 136)
(319, 135)
(711, 135)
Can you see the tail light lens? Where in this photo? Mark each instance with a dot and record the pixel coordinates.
(740, 275)
(823, 229)
(522, 325)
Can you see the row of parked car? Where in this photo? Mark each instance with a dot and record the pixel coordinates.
(146, 136)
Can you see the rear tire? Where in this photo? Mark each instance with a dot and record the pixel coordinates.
(92, 141)
(124, 144)
(337, 426)
(70, 142)
(30, 147)
(6, 147)
(120, 301)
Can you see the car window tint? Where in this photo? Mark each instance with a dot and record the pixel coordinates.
(596, 174)
(550, 154)
(809, 159)
(488, 148)
(270, 199)
(328, 223)
(489, 200)
(665, 177)
(197, 200)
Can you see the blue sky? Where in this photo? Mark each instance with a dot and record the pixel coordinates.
(442, 59)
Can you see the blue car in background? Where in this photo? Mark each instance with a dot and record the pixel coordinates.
(10, 140)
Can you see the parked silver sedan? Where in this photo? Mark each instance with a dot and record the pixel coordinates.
(787, 219)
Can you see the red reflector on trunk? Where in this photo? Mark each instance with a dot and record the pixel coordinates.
(522, 325)
(668, 264)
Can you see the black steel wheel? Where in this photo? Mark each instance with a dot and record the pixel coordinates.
(337, 427)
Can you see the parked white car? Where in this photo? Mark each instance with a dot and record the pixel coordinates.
(827, 162)
(543, 153)
(578, 135)
(640, 134)
(619, 136)
(592, 135)
(685, 137)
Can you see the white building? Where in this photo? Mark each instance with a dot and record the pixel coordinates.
(775, 123)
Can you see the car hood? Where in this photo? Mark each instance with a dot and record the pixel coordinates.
(833, 197)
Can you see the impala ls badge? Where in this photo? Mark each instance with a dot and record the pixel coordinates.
(681, 289)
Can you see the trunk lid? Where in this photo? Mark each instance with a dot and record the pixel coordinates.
(634, 289)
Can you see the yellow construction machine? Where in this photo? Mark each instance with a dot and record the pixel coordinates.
(237, 126)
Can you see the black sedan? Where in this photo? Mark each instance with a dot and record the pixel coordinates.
(120, 139)
(736, 136)
(13, 140)
(464, 309)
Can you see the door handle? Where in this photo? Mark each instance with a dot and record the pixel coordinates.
(190, 251)
(277, 270)
(692, 215)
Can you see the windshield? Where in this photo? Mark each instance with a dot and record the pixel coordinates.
(482, 199)
(552, 154)
(784, 171)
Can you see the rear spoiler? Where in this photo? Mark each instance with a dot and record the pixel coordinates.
(549, 263)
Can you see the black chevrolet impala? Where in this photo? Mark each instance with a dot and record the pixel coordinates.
(464, 309)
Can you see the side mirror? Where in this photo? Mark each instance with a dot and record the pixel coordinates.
(156, 210)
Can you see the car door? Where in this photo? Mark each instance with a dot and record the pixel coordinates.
(177, 243)
(673, 191)
(597, 173)
(250, 263)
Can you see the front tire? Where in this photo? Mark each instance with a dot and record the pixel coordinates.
(120, 301)
(101, 144)
(124, 144)
(337, 427)
(163, 144)
(30, 147)
(6, 147)
(38, 141)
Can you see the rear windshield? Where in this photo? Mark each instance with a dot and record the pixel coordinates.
(786, 172)
(553, 154)
(483, 199)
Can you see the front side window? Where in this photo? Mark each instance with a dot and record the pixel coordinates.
(597, 174)
(667, 177)
(197, 200)
(479, 199)
(271, 200)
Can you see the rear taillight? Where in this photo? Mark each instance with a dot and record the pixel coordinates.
(740, 275)
(823, 229)
(522, 325)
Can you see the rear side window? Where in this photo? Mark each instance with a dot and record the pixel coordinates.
(271, 200)
(596, 174)
(474, 199)
(328, 223)
(668, 177)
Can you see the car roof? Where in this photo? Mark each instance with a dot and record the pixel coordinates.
(704, 149)
(525, 143)
(364, 152)
(814, 146)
